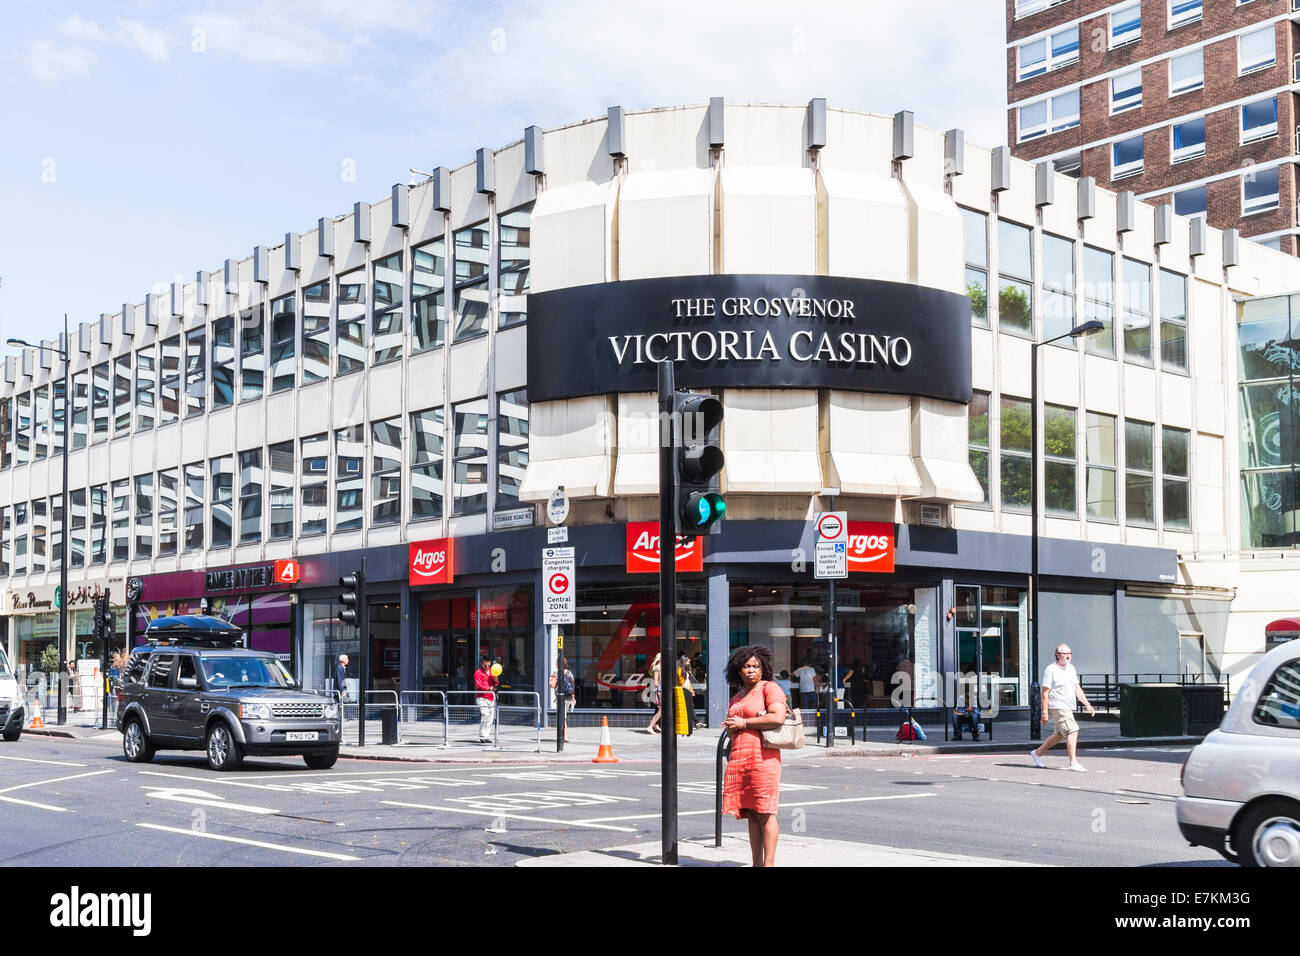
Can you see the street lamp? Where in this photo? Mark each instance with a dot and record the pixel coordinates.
(1079, 331)
(67, 518)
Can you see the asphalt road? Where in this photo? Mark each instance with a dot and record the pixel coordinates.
(79, 804)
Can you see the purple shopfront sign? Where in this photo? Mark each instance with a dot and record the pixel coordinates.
(238, 595)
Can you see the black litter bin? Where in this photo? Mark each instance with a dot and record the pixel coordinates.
(388, 725)
(1150, 710)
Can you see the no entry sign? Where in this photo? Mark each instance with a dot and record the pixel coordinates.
(559, 597)
(830, 558)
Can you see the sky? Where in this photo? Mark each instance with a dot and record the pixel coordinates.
(142, 141)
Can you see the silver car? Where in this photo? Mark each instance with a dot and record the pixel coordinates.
(1241, 785)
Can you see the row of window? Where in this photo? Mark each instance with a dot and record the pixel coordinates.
(1128, 20)
(280, 491)
(1100, 466)
(246, 356)
(1144, 335)
(1260, 192)
(1187, 138)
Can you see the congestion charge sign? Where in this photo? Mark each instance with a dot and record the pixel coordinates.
(559, 594)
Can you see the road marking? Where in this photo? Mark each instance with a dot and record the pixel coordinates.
(258, 843)
(511, 816)
(709, 787)
(201, 798)
(597, 772)
(806, 803)
(538, 800)
(53, 763)
(324, 786)
(42, 783)
(29, 803)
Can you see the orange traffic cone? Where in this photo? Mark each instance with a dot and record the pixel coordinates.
(37, 722)
(606, 752)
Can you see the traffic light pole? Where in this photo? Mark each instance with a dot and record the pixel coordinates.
(363, 667)
(668, 438)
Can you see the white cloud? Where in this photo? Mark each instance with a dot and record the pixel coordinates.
(74, 53)
(51, 63)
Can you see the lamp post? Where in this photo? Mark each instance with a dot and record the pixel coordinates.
(67, 518)
(1087, 328)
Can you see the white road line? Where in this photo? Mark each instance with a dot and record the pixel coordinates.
(258, 843)
(29, 803)
(201, 798)
(42, 783)
(209, 780)
(806, 803)
(509, 816)
(53, 763)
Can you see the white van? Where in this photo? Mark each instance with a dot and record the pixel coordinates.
(12, 711)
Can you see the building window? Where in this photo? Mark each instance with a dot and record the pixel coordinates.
(1059, 457)
(1183, 11)
(280, 468)
(250, 496)
(349, 477)
(222, 471)
(284, 337)
(1270, 442)
(1137, 312)
(316, 332)
(977, 265)
(512, 446)
(80, 409)
(1256, 50)
(77, 527)
(1126, 91)
(1100, 434)
(471, 265)
(470, 474)
(252, 353)
(20, 537)
(1048, 53)
(196, 372)
(1176, 487)
(40, 529)
(144, 516)
(386, 472)
(1259, 120)
(1099, 299)
(1139, 474)
(1126, 157)
(1188, 140)
(1126, 25)
(1173, 321)
(1275, 243)
(1259, 191)
(169, 381)
(6, 433)
(122, 394)
(1051, 115)
(1190, 202)
(146, 384)
(122, 520)
(314, 453)
(223, 362)
(1186, 72)
(194, 506)
(514, 241)
(41, 422)
(427, 434)
(100, 397)
(98, 524)
(1058, 288)
(1016, 279)
(23, 428)
(168, 528)
(977, 421)
(1015, 454)
(428, 295)
(56, 531)
(351, 323)
(389, 282)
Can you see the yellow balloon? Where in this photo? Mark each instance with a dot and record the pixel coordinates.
(496, 670)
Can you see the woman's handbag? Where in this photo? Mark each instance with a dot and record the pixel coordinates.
(789, 736)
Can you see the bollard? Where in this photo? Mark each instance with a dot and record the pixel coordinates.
(724, 752)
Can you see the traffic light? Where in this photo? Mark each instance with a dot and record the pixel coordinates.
(699, 460)
(353, 586)
(109, 629)
(99, 617)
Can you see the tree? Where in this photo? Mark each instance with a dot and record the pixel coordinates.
(979, 300)
(50, 659)
(1013, 309)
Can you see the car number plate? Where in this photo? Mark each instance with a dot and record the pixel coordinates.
(302, 735)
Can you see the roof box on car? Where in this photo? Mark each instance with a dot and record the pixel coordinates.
(193, 629)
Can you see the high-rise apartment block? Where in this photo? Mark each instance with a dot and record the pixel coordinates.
(1183, 101)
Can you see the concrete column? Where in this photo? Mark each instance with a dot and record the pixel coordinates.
(719, 612)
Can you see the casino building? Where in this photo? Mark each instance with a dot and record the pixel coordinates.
(411, 381)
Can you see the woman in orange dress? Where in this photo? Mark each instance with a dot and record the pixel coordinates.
(753, 777)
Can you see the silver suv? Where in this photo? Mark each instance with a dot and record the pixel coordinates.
(193, 686)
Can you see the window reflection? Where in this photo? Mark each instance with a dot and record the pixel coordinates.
(427, 431)
(77, 527)
(349, 477)
(281, 466)
(515, 241)
(80, 409)
(169, 405)
(144, 507)
(352, 322)
(469, 477)
(168, 486)
(471, 262)
(284, 336)
(250, 496)
(222, 472)
(252, 353)
(223, 362)
(122, 394)
(314, 452)
(194, 506)
(98, 524)
(100, 398)
(121, 505)
(512, 446)
(316, 333)
(428, 295)
(146, 383)
(386, 472)
(388, 308)
(41, 422)
(196, 368)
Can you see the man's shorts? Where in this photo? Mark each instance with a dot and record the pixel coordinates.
(1065, 722)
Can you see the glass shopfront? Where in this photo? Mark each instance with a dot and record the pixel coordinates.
(993, 639)
(455, 630)
(324, 638)
(266, 618)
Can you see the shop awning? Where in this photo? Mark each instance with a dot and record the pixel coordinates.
(773, 470)
(869, 473)
(579, 477)
(948, 480)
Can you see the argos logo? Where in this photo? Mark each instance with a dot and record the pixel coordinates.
(643, 550)
(432, 562)
(871, 546)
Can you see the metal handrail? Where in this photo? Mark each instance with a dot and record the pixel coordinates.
(537, 711)
(446, 742)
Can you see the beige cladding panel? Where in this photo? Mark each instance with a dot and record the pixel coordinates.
(313, 408)
(348, 401)
(426, 222)
(281, 422)
(1211, 507)
(937, 239)
(469, 370)
(1014, 359)
(468, 206)
(636, 469)
(385, 384)
(1099, 231)
(1140, 393)
(926, 167)
(981, 348)
(870, 444)
(1210, 410)
(665, 224)
(515, 188)
(858, 142)
(167, 446)
(577, 154)
(511, 356)
(572, 233)
(769, 221)
(770, 441)
(282, 281)
(766, 136)
(1061, 217)
(1059, 383)
(973, 187)
(386, 238)
(1100, 384)
(221, 432)
(1017, 203)
(1176, 400)
(867, 223)
(666, 139)
(424, 380)
(1206, 330)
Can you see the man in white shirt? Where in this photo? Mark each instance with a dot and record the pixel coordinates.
(1060, 690)
(807, 675)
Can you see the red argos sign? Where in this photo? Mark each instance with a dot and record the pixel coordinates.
(643, 550)
(871, 546)
(433, 562)
(287, 571)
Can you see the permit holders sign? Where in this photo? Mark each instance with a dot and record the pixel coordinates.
(831, 558)
(559, 594)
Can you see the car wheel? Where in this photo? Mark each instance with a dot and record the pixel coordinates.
(1269, 835)
(322, 761)
(136, 745)
(12, 735)
(224, 752)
